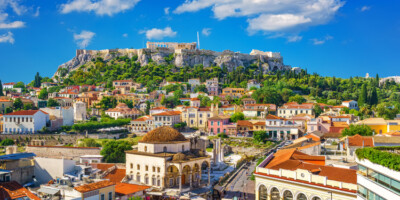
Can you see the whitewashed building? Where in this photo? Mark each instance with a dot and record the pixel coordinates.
(25, 121)
(64, 113)
(350, 104)
(80, 111)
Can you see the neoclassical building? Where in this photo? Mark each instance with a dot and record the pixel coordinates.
(292, 175)
(164, 159)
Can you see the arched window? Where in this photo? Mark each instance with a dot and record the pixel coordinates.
(275, 194)
(316, 198)
(301, 196)
(145, 148)
(138, 177)
(183, 148)
(262, 193)
(165, 149)
(287, 195)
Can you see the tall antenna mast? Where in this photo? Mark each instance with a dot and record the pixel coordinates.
(198, 40)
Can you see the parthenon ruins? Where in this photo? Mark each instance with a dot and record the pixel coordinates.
(173, 45)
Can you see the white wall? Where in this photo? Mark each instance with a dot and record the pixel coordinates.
(158, 148)
(47, 169)
(39, 120)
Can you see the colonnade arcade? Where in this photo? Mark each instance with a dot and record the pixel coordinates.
(186, 174)
(273, 193)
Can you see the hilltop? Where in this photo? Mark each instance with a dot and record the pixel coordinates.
(178, 56)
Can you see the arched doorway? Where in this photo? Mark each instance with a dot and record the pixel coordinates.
(262, 193)
(171, 177)
(186, 175)
(196, 175)
(275, 194)
(287, 195)
(301, 196)
(205, 168)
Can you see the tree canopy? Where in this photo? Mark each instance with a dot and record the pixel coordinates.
(114, 151)
(362, 130)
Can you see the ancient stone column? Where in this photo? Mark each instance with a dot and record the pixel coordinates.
(190, 179)
(180, 183)
(209, 175)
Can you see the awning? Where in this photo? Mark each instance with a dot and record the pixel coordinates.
(51, 191)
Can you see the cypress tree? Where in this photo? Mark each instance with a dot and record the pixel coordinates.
(1, 89)
(374, 97)
(377, 80)
(362, 99)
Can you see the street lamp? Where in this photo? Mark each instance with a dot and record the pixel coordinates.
(331, 194)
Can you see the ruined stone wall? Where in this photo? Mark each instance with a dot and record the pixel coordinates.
(71, 153)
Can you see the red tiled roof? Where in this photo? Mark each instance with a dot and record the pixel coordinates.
(24, 112)
(93, 186)
(123, 81)
(269, 116)
(66, 147)
(357, 140)
(291, 159)
(102, 166)
(126, 188)
(204, 109)
(168, 113)
(13, 190)
(116, 175)
(244, 123)
(260, 123)
(159, 108)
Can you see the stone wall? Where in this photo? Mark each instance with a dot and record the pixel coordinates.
(70, 153)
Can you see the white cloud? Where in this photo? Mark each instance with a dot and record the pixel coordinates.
(37, 13)
(159, 34)
(166, 10)
(100, 7)
(17, 8)
(269, 15)
(125, 35)
(8, 37)
(321, 41)
(206, 31)
(84, 38)
(294, 38)
(365, 8)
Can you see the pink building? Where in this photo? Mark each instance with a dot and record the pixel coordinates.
(221, 124)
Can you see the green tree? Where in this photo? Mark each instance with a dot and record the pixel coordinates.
(88, 142)
(43, 94)
(18, 105)
(147, 107)
(317, 110)
(297, 98)
(114, 151)
(28, 106)
(37, 80)
(52, 103)
(237, 116)
(362, 130)
(1, 89)
(362, 99)
(373, 100)
(259, 136)
(7, 142)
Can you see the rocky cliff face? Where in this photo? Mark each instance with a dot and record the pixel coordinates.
(183, 57)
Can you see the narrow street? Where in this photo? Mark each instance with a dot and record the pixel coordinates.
(242, 184)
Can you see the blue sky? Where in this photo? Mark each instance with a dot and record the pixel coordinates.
(331, 37)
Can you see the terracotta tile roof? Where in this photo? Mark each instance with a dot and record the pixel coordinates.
(313, 137)
(24, 112)
(340, 124)
(168, 113)
(220, 117)
(387, 139)
(93, 186)
(332, 135)
(12, 83)
(290, 159)
(65, 147)
(394, 133)
(5, 100)
(159, 108)
(244, 123)
(195, 99)
(373, 121)
(295, 105)
(126, 188)
(357, 140)
(121, 81)
(204, 109)
(102, 166)
(116, 175)
(260, 123)
(269, 116)
(13, 190)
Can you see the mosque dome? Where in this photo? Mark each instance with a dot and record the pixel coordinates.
(163, 134)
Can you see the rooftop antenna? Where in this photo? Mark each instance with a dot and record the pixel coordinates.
(198, 41)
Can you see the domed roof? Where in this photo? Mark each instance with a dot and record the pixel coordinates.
(163, 134)
(121, 105)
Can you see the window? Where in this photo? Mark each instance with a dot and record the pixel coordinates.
(201, 121)
(200, 115)
(154, 169)
(147, 168)
(165, 149)
(218, 124)
(218, 130)
(145, 148)
(110, 196)
(212, 123)
(131, 165)
(138, 167)
(158, 169)
(102, 197)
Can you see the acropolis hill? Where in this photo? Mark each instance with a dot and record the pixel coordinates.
(184, 54)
